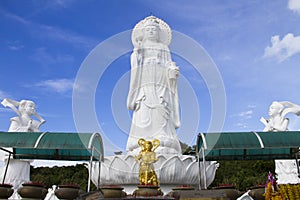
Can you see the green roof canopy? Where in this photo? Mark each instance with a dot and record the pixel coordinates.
(53, 146)
(248, 145)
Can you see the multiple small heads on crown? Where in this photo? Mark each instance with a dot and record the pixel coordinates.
(152, 21)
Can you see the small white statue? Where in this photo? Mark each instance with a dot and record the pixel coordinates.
(153, 93)
(23, 122)
(277, 113)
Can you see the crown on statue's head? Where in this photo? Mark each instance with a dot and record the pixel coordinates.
(151, 21)
(165, 33)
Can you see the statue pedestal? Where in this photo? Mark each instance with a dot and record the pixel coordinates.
(147, 191)
(113, 191)
(172, 171)
(199, 194)
(67, 192)
(6, 191)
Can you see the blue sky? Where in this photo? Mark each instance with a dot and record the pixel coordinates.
(255, 46)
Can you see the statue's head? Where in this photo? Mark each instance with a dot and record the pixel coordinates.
(151, 28)
(148, 145)
(151, 33)
(27, 106)
(275, 109)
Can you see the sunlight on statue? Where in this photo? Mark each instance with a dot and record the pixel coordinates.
(25, 109)
(277, 112)
(147, 175)
(153, 95)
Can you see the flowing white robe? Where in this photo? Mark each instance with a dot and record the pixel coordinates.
(154, 100)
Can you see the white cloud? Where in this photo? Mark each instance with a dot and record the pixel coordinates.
(251, 106)
(15, 45)
(42, 56)
(294, 122)
(246, 114)
(60, 3)
(241, 125)
(57, 85)
(294, 5)
(3, 95)
(2, 110)
(242, 119)
(283, 49)
(52, 32)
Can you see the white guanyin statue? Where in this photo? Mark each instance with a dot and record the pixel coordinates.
(25, 109)
(277, 112)
(153, 98)
(153, 93)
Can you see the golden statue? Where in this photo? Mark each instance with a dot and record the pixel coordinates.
(147, 156)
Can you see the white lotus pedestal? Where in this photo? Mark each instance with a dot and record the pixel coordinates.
(172, 171)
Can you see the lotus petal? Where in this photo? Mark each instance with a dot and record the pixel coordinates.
(172, 170)
(187, 160)
(191, 176)
(118, 170)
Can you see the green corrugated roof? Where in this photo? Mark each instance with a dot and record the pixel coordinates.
(249, 145)
(53, 146)
(13, 139)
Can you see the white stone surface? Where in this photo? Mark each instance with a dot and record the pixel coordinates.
(171, 170)
(286, 171)
(25, 109)
(153, 97)
(153, 93)
(18, 171)
(245, 196)
(51, 194)
(277, 112)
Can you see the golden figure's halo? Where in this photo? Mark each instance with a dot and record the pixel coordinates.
(165, 33)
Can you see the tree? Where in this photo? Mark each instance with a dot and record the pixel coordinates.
(61, 175)
(243, 174)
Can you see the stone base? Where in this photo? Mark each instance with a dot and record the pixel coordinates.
(32, 192)
(5, 192)
(199, 195)
(67, 193)
(93, 195)
(113, 191)
(149, 198)
(179, 188)
(257, 192)
(230, 192)
(147, 191)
